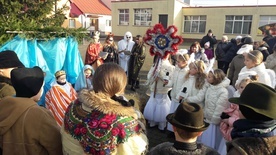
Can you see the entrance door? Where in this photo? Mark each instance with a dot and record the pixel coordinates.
(163, 19)
(95, 23)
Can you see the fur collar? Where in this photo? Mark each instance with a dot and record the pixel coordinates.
(105, 104)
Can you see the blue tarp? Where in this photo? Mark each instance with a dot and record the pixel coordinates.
(50, 56)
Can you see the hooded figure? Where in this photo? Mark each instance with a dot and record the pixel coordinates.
(124, 47)
(25, 127)
(84, 80)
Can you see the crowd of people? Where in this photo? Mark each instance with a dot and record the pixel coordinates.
(194, 79)
(225, 110)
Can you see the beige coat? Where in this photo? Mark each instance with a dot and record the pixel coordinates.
(28, 129)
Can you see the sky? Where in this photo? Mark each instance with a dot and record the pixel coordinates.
(232, 2)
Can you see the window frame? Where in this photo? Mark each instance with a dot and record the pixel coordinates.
(238, 26)
(125, 14)
(74, 23)
(142, 16)
(267, 21)
(107, 22)
(196, 23)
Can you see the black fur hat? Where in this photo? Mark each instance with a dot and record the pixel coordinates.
(27, 82)
(9, 59)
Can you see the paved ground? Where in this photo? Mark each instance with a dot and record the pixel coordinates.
(155, 136)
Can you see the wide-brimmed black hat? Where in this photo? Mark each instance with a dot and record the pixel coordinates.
(9, 59)
(258, 97)
(27, 82)
(189, 117)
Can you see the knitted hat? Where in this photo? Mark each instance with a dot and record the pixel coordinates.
(210, 31)
(258, 97)
(9, 59)
(27, 82)
(189, 117)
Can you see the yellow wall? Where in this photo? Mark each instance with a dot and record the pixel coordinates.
(66, 23)
(216, 19)
(158, 7)
(176, 12)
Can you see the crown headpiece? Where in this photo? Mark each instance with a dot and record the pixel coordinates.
(60, 73)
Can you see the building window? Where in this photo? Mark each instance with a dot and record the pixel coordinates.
(72, 23)
(238, 24)
(264, 20)
(108, 22)
(123, 16)
(142, 17)
(194, 24)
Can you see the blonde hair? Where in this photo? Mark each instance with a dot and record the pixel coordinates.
(249, 79)
(200, 75)
(218, 75)
(106, 42)
(256, 56)
(183, 57)
(110, 79)
(225, 37)
(140, 40)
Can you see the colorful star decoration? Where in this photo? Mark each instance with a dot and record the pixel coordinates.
(162, 42)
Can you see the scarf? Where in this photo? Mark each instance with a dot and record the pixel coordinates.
(251, 128)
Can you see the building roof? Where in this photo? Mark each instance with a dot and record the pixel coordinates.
(92, 7)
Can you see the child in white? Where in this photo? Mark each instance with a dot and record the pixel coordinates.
(216, 101)
(194, 81)
(158, 105)
(178, 78)
(254, 62)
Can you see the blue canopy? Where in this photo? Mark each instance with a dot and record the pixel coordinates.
(50, 56)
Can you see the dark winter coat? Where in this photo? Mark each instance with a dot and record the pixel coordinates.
(221, 50)
(271, 42)
(231, 52)
(264, 49)
(207, 38)
(267, 38)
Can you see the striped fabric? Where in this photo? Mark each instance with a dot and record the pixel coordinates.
(57, 101)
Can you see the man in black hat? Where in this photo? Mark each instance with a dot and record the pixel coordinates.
(188, 123)
(25, 127)
(254, 132)
(8, 61)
